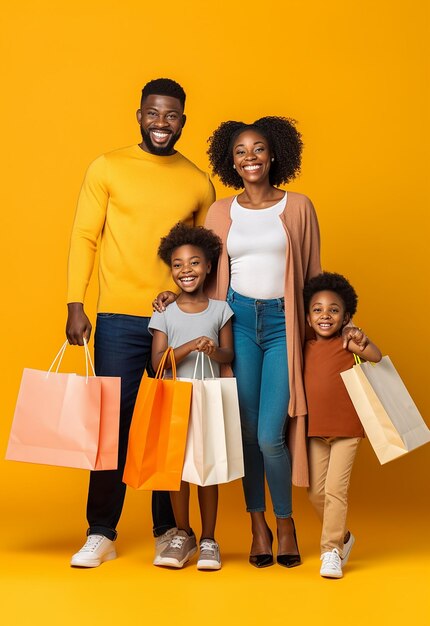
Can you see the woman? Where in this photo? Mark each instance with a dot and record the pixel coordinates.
(271, 247)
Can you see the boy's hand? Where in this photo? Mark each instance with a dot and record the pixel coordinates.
(355, 334)
(163, 300)
(206, 345)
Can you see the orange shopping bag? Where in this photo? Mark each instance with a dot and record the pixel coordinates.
(66, 419)
(158, 431)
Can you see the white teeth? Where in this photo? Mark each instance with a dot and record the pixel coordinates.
(251, 167)
(160, 135)
(187, 280)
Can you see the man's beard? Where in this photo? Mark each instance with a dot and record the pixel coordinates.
(159, 150)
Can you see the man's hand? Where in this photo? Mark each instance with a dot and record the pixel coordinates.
(355, 334)
(163, 300)
(78, 325)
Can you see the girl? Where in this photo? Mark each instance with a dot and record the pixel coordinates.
(334, 429)
(193, 323)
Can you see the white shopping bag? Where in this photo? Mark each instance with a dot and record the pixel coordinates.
(213, 454)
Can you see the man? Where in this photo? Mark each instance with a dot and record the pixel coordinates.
(130, 198)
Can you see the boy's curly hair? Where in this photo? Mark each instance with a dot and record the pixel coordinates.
(183, 235)
(330, 281)
(284, 141)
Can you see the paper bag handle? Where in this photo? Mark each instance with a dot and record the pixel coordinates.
(359, 361)
(60, 354)
(202, 355)
(162, 365)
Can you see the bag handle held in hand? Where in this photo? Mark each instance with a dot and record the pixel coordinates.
(202, 355)
(60, 354)
(357, 359)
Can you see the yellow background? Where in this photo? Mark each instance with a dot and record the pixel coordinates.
(355, 76)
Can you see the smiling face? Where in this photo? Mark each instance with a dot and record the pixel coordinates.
(161, 119)
(189, 268)
(327, 315)
(252, 156)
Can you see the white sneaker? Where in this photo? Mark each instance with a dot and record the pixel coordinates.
(94, 552)
(347, 547)
(209, 557)
(331, 564)
(162, 542)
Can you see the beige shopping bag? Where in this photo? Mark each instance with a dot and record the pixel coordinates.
(389, 416)
(213, 454)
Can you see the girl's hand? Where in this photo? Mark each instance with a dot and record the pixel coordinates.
(355, 334)
(206, 345)
(163, 300)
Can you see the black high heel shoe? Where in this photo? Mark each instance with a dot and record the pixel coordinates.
(262, 560)
(290, 560)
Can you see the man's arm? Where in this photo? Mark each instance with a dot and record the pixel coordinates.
(89, 220)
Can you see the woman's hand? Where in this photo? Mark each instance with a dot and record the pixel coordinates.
(355, 334)
(163, 300)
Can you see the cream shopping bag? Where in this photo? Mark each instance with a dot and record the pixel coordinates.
(389, 416)
(213, 454)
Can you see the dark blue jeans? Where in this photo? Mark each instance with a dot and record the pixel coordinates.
(122, 348)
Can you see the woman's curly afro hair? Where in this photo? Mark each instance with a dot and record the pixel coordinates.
(329, 281)
(183, 235)
(284, 140)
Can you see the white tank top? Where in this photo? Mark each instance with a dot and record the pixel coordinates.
(256, 245)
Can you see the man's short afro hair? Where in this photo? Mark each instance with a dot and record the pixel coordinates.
(164, 87)
(330, 281)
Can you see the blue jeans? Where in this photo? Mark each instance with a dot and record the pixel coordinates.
(261, 369)
(122, 348)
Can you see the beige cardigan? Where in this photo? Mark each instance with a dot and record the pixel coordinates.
(302, 262)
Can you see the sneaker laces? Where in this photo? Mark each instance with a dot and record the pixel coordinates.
(177, 542)
(331, 559)
(208, 546)
(92, 543)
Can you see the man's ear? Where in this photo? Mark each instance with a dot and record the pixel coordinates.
(184, 119)
(139, 116)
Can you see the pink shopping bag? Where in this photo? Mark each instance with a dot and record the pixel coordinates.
(66, 419)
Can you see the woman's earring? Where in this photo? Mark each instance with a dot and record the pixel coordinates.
(272, 159)
(234, 167)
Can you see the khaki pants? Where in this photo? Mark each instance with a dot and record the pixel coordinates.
(330, 465)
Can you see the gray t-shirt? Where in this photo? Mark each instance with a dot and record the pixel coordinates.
(181, 327)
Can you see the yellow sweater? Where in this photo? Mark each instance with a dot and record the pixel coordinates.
(132, 198)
